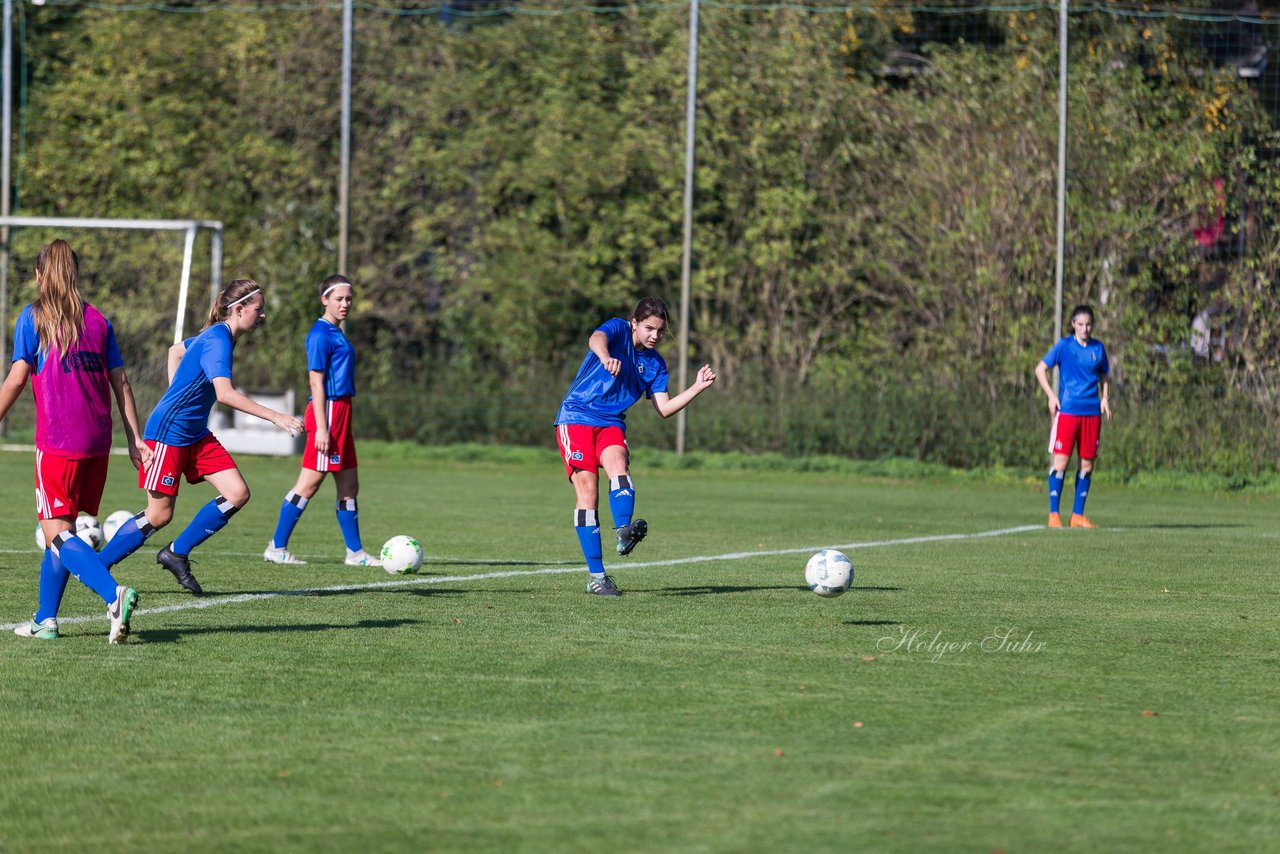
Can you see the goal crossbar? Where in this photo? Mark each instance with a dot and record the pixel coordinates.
(188, 226)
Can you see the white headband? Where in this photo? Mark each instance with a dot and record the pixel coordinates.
(337, 285)
(243, 298)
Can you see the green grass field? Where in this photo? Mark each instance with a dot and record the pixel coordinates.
(717, 706)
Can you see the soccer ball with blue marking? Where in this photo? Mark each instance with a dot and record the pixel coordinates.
(829, 573)
(113, 522)
(401, 555)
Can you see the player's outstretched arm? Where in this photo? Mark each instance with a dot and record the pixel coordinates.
(13, 386)
(668, 406)
(228, 396)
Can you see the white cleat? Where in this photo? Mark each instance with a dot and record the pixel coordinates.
(46, 629)
(362, 558)
(274, 555)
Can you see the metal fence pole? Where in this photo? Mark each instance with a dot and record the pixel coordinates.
(685, 259)
(344, 178)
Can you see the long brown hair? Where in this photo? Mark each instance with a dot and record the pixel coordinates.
(230, 296)
(58, 309)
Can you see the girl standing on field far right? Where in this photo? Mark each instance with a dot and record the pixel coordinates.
(1085, 378)
(331, 447)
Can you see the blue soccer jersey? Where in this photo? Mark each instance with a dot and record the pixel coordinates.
(329, 352)
(1081, 367)
(182, 416)
(598, 399)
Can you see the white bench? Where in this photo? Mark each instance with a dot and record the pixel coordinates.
(248, 434)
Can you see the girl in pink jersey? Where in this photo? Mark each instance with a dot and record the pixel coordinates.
(69, 351)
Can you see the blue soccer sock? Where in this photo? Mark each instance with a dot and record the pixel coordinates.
(53, 583)
(128, 539)
(587, 524)
(290, 513)
(1056, 479)
(622, 500)
(209, 520)
(349, 522)
(82, 562)
(1082, 491)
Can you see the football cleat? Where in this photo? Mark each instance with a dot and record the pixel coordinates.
(180, 566)
(362, 558)
(46, 629)
(1055, 520)
(275, 555)
(1079, 520)
(602, 586)
(629, 536)
(120, 611)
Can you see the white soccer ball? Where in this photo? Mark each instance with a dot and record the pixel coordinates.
(88, 529)
(40, 543)
(829, 573)
(401, 555)
(113, 522)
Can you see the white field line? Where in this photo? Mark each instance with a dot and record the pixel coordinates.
(212, 601)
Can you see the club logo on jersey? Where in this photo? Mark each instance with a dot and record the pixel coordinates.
(335, 459)
(83, 360)
(1058, 445)
(576, 456)
(167, 480)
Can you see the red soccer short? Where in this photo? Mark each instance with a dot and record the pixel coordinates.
(581, 445)
(342, 445)
(65, 486)
(206, 456)
(1067, 429)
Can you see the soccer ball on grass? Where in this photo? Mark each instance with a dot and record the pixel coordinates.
(88, 529)
(401, 555)
(829, 573)
(113, 522)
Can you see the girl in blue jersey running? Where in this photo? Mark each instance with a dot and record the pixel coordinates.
(331, 446)
(1084, 376)
(622, 366)
(178, 434)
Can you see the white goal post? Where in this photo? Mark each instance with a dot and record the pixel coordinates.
(188, 226)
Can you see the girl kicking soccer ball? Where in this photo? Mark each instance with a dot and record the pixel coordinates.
(622, 365)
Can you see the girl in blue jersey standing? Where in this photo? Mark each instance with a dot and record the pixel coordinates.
(1084, 375)
(70, 348)
(178, 434)
(622, 366)
(331, 446)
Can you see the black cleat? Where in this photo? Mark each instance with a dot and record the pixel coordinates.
(629, 536)
(180, 566)
(602, 586)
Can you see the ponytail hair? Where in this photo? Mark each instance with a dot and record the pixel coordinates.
(58, 309)
(232, 295)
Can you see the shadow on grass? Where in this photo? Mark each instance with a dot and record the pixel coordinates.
(875, 589)
(704, 589)
(873, 622)
(174, 635)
